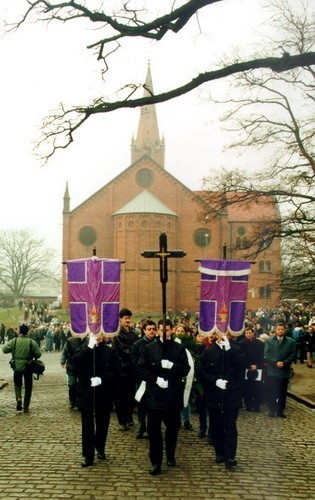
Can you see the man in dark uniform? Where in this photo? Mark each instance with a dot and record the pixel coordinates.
(252, 383)
(221, 371)
(122, 343)
(150, 331)
(162, 365)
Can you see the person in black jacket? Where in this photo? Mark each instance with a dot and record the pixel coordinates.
(162, 365)
(309, 344)
(97, 367)
(149, 330)
(252, 382)
(122, 343)
(220, 370)
(72, 346)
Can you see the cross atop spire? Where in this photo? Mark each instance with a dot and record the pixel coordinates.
(148, 140)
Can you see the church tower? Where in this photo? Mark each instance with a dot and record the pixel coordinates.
(148, 142)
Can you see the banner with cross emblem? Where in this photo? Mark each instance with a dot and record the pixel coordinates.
(223, 293)
(94, 294)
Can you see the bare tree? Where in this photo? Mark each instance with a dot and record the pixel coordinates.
(114, 27)
(276, 113)
(23, 261)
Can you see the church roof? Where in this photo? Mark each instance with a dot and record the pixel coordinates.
(145, 203)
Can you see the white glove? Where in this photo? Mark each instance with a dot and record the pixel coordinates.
(96, 381)
(92, 342)
(161, 382)
(166, 363)
(221, 383)
(225, 343)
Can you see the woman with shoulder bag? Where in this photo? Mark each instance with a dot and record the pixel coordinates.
(23, 349)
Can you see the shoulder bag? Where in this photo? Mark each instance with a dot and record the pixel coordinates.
(34, 366)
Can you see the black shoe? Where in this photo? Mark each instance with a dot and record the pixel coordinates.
(220, 459)
(202, 434)
(130, 423)
(272, 414)
(281, 415)
(71, 406)
(155, 470)
(123, 428)
(171, 462)
(26, 410)
(248, 408)
(86, 462)
(101, 455)
(210, 442)
(256, 410)
(230, 463)
(19, 406)
(188, 425)
(139, 435)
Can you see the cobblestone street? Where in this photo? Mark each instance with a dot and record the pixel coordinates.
(41, 453)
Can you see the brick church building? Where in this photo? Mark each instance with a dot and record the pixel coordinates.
(126, 217)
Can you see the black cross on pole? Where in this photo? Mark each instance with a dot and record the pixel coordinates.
(163, 254)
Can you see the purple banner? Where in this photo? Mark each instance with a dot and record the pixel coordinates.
(94, 290)
(223, 292)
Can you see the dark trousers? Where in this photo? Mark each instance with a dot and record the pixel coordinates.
(171, 420)
(202, 411)
(125, 402)
(224, 432)
(94, 431)
(252, 390)
(277, 394)
(28, 383)
(142, 415)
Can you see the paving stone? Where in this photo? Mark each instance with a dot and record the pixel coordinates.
(41, 453)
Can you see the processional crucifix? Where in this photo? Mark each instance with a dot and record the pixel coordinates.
(163, 254)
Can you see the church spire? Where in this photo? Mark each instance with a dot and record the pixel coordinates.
(148, 140)
(66, 200)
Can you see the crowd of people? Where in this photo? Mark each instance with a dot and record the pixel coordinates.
(163, 372)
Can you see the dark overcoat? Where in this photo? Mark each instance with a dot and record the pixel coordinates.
(215, 363)
(150, 368)
(101, 361)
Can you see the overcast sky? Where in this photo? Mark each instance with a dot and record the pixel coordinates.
(42, 66)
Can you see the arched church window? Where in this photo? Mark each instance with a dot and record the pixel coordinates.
(87, 235)
(202, 237)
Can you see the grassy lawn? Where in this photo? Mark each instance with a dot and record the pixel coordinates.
(13, 316)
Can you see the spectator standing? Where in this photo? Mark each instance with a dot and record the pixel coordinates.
(309, 343)
(279, 354)
(298, 336)
(49, 347)
(2, 334)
